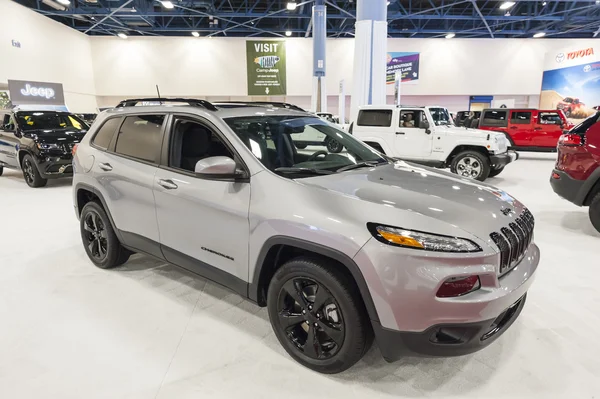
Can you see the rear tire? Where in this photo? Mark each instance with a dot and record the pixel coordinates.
(304, 292)
(32, 175)
(471, 164)
(99, 239)
(594, 212)
(496, 172)
(1, 170)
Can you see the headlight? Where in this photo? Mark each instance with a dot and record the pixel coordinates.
(420, 240)
(46, 146)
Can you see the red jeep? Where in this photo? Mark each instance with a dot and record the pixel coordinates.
(526, 129)
(569, 104)
(576, 176)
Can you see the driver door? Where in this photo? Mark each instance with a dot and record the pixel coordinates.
(411, 140)
(9, 143)
(203, 223)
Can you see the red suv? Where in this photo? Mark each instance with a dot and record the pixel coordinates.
(527, 129)
(576, 176)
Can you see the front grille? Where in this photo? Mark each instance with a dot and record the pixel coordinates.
(513, 241)
(68, 147)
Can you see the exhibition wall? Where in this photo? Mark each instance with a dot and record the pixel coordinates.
(34, 47)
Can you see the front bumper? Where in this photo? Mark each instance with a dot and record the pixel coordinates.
(567, 187)
(501, 160)
(53, 166)
(446, 339)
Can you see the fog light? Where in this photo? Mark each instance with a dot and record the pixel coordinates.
(457, 286)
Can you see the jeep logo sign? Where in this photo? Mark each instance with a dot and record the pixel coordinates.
(28, 92)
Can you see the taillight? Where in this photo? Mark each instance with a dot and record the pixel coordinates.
(74, 149)
(570, 140)
(457, 286)
(555, 175)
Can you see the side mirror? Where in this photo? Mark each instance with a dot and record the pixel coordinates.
(424, 125)
(218, 168)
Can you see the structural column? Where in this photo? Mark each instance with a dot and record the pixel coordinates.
(319, 94)
(370, 52)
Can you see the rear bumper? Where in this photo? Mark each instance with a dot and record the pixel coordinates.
(567, 187)
(501, 160)
(446, 339)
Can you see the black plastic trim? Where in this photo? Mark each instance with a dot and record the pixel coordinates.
(568, 188)
(253, 287)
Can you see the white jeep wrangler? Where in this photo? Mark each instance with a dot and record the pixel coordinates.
(427, 135)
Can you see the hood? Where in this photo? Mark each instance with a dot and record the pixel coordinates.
(467, 204)
(56, 135)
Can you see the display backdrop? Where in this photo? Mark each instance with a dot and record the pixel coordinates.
(571, 82)
(406, 63)
(266, 67)
(31, 92)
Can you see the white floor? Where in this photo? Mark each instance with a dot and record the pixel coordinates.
(148, 330)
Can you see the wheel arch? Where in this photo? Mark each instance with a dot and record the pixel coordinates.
(466, 147)
(380, 143)
(278, 249)
(591, 187)
(85, 193)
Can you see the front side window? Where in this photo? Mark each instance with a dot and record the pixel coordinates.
(550, 118)
(297, 146)
(49, 120)
(411, 118)
(375, 117)
(140, 137)
(191, 142)
(520, 118)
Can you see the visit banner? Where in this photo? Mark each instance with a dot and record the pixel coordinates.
(406, 63)
(265, 61)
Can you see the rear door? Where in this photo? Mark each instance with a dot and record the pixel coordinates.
(548, 128)
(521, 128)
(9, 143)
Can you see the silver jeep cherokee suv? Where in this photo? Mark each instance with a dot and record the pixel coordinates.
(340, 247)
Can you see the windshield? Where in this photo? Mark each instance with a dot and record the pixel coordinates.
(48, 120)
(302, 146)
(441, 116)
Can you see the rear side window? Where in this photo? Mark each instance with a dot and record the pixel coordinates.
(140, 137)
(494, 118)
(520, 118)
(381, 118)
(106, 132)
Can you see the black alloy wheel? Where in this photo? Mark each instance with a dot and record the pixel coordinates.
(334, 146)
(95, 236)
(317, 314)
(311, 318)
(31, 174)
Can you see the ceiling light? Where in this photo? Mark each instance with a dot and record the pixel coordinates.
(450, 35)
(167, 4)
(506, 5)
(389, 2)
(195, 34)
(544, 3)
(288, 33)
(291, 5)
(64, 2)
(540, 34)
(122, 35)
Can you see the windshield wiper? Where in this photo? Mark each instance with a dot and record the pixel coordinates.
(366, 164)
(303, 170)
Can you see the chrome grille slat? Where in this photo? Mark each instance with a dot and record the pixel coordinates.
(514, 240)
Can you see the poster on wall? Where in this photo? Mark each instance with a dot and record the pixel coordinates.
(266, 68)
(571, 82)
(405, 63)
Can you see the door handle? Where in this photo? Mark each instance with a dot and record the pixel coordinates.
(168, 184)
(514, 127)
(105, 166)
(400, 133)
(537, 128)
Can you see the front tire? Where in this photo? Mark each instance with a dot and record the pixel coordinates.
(99, 239)
(318, 316)
(594, 212)
(32, 175)
(471, 164)
(1, 170)
(496, 172)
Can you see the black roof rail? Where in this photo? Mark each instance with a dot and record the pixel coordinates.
(194, 102)
(263, 103)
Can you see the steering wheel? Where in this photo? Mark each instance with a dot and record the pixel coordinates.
(316, 154)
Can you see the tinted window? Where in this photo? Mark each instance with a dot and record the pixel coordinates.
(192, 142)
(381, 117)
(105, 134)
(494, 118)
(140, 136)
(522, 118)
